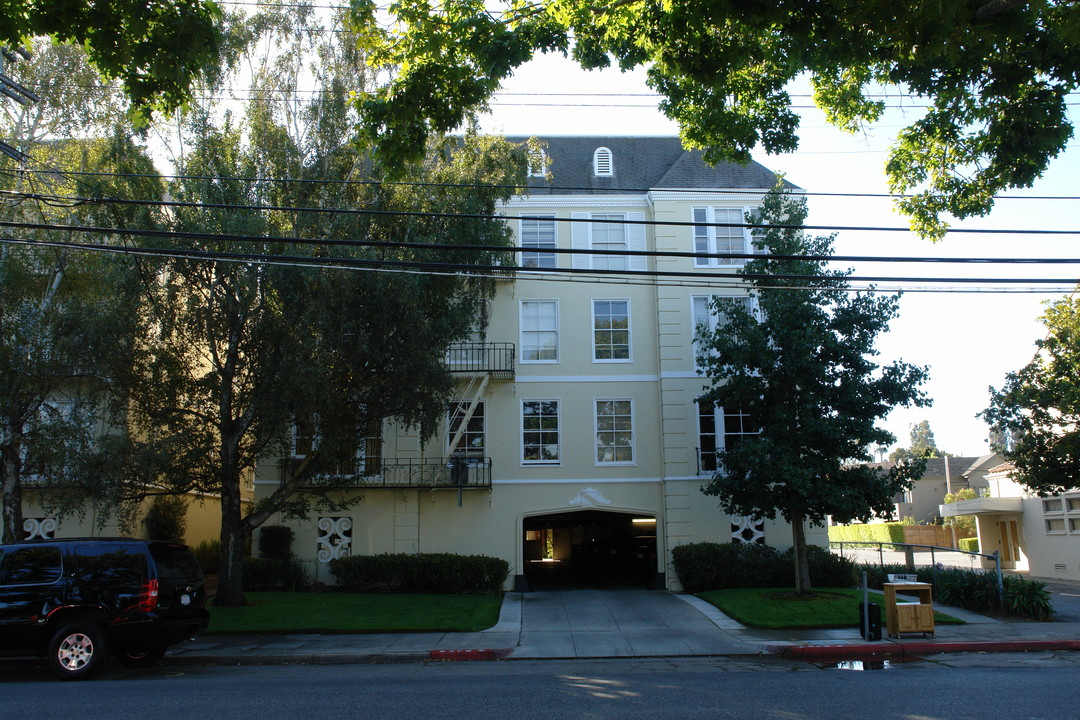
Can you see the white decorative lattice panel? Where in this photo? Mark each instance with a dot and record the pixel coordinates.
(335, 538)
(749, 529)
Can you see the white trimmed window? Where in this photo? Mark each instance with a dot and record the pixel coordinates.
(705, 317)
(537, 235)
(363, 456)
(537, 163)
(603, 164)
(614, 432)
(732, 238)
(608, 231)
(719, 429)
(611, 330)
(539, 331)
(540, 432)
(472, 443)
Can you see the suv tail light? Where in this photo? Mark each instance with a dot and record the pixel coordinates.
(149, 596)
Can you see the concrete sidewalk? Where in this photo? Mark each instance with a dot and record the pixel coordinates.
(620, 623)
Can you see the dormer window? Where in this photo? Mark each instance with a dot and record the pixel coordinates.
(537, 163)
(602, 164)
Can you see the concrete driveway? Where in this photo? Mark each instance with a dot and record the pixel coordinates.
(622, 623)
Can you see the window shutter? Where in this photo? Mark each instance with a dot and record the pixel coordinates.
(635, 242)
(579, 240)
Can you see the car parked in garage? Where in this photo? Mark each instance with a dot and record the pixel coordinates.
(77, 602)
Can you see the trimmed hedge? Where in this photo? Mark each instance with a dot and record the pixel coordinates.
(872, 533)
(714, 566)
(970, 544)
(434, 573)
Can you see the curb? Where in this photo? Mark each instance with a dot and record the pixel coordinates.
(466, 655)
(920, 648)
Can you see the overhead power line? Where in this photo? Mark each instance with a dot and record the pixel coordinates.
(561, 188)
(503, 217)
(447, 247)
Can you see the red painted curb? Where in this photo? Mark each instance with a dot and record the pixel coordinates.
(923, 648)
(465, 655)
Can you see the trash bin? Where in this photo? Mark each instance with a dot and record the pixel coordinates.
(459, 472)
(870, 621)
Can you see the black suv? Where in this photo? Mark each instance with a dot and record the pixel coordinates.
(76, 601)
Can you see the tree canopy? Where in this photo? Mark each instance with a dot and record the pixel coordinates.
(995, 74)
(154, 49)
(801, 368)
(1038, 408)
(922, 444)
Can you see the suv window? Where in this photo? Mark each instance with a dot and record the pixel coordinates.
(175, 563)
(108, 563)
(30, 566)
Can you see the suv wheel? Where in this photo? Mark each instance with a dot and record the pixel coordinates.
(141, 657)
(79, 650)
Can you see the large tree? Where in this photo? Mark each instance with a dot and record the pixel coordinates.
(64, 322)
(1038, 408)
(994, 72)
(801, 367)
(63, 312)
(299, 308)
(922, 444)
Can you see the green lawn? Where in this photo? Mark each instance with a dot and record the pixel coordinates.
(776, 608)
(282, 612)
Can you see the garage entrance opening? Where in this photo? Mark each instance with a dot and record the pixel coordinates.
(590, 549)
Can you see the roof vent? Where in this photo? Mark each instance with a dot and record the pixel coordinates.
(602, 165)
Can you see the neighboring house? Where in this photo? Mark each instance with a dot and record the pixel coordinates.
(943, 475)
(1040, 536)
(574, 447)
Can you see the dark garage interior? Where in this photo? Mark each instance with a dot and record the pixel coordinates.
(590, 549)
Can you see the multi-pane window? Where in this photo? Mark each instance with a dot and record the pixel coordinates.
(719, 429)
(538, 240)
(704, 317)
(610, 235)
(540, 431)
(611, 330)
(470, 444)
(591, 233)
(361, 456)
(537, 163)
(539, 331)
(730, 238)
(614, 431)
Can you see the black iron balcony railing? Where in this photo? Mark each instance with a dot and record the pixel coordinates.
(496, 359)
(435, 473)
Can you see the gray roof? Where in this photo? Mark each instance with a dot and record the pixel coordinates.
(640, 164)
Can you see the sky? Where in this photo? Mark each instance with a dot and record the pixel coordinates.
(969, 341)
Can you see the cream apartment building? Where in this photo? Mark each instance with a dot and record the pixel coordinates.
(575, 449)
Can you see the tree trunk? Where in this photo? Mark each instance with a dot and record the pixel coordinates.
(234, 543)
(12, 498)
(802, 564)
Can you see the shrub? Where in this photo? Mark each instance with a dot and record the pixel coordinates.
(166, 518)
(262, 574)
(827, 569)
(275, 542)
(870, 534)
(208, 553)
(970, 544)
(1027, 598)
(715, 566)
(441, 573)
